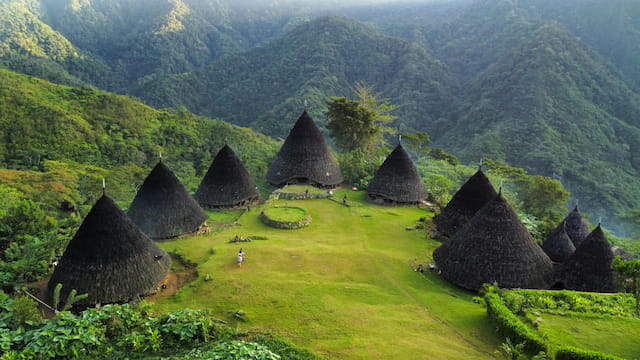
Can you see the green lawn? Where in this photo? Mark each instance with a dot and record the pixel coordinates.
(286, 213)
(612, 335)
(342, 287)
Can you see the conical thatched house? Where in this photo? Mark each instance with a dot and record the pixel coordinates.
(589, 268)
(162, 208)
(558, 245)
(227, 183)
(305, 158)
(397, 181)
(110, 259)
(577, 228)
(494, 246)
(471, 197)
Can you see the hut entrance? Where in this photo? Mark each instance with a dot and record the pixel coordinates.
(559, 285)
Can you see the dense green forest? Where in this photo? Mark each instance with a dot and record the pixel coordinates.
(74, 137)
(550, 87)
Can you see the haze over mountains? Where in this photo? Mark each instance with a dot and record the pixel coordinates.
(545, 85)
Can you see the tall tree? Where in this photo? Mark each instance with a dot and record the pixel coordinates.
(359, 124)
(628, 275)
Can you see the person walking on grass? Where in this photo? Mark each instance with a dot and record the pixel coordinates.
(240, 257)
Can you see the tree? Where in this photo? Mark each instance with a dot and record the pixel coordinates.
(358, 124)
(357, 128)
(628, 276)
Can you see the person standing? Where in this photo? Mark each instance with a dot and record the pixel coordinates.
(240, 257)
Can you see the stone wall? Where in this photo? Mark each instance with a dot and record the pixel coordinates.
(301, 196)
(287, 225)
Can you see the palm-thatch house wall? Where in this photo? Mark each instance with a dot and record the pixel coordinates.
(227, 183)
(304, 158)
(494, 246)
(470, 198)
(558, 245)
(576, 227)
(589, 268)
(397, 181)
(163, 209)
(109, 259)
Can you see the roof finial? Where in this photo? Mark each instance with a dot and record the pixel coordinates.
(226, 140)
(104, 187)
(160, 155)
(306, 105)
(480, 167)
(400, 139)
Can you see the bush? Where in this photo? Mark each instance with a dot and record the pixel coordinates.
(568, 353)
(234, 350)
(511, 327)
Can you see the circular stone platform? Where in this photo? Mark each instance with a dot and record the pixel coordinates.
(285, 217)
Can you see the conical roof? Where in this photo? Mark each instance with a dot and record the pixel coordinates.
(162, 207)
(470, 198)
(494, 246)
(558, 245)
(577, 228)
(304, 156)
(109, 258)
(589, 268)
(227, 183)
(397, 179)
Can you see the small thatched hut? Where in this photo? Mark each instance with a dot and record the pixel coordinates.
(109, 259)
(227, 183)
(305, 159)
(558, 245)
(577, 228)
(471, 197)
(163, 209)
(397, 181)
(589, 268)
(494, 246)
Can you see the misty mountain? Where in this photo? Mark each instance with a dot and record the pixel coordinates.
(545, 85)
(265, 88)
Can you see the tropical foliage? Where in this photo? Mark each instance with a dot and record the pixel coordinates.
(132, 331)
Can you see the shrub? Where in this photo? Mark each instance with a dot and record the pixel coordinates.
(511, 327)
(569, 353)
(235, 350)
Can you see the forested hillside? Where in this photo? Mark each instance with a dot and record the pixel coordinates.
(265, 88)
(70, 138)
(545, 85)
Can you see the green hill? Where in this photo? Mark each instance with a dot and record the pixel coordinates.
(47, 127)
(256, 65)
(561, 112)
(263, 87)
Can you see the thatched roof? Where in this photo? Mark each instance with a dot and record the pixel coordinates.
(558, 245)
(398, 180)
(577, 228)
(227, 183)
(589, 268)
(109, 258)
(471, 197)
(162, 207)
(305, 157)
(494, 246)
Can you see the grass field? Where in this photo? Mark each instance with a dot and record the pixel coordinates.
(286, 213)
(342, 287)
(611, 335)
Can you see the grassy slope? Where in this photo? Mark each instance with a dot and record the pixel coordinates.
(342, 287)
